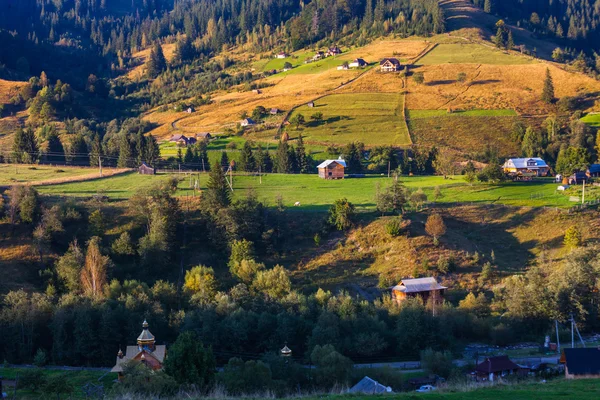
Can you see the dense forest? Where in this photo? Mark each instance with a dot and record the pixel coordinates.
(573, 21)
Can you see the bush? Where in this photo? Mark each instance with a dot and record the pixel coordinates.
(394, 227)
(32, 379)
(437, 362)
(40, 359)
(572, 237)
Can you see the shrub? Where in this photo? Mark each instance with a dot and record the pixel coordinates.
(40, 358)
(394, 227)
(572, 237)
(32, 379)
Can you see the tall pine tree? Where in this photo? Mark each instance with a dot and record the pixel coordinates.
(548, 91)
(217, 190)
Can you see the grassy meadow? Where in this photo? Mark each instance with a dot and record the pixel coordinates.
(415, 114)
(23, 173)
(592, 120)
(315, 194)
(471, 54)
(372, 118)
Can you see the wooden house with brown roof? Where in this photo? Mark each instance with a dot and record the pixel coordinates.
(425, 288)
(493, 368)
(389, 65)
(145, 169)
(146, 352)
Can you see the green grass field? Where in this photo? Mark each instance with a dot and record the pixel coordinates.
(76, 378)
(416, 114)
(592, 120)
(15, 173)
(559, 389)
(295, 59)
(470, 54)
(315, 194)
(372, 118)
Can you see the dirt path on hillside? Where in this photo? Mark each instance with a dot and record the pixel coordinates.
(461, 14)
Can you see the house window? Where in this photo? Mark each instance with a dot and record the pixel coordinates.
(330, 173)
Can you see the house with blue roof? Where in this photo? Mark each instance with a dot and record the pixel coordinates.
(526, 166)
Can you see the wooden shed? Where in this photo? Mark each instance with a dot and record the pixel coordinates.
(144, 169)
(332, 169)
(424, 288)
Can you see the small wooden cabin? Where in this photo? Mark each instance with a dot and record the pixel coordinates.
(145, 169)
(422, 287)
(332, 169)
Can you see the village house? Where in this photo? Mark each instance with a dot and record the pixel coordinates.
(320, 55)
(274, 111)
(581, 363)
(525, 166)
(343, 67)
(145, 169)
(389, 65)
(493, 368)
(425, 288)
(190, 110)
(182, 140)
(577, 178)
(358, 63)
(369, 386)
(247, 122)
(310, 104)
(283, 54)
(146, 352)
(203, 136)
(332, 169)
(333, 51)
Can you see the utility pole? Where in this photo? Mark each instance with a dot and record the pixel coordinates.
(100, 165)
(389, 164)
(572, 332)
(583, 194)
(259, 175)
(557, 338)
(203, 169)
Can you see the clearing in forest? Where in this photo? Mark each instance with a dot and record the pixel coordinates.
(375, 119)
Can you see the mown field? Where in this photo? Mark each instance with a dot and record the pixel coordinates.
(415, 114)
(471, 54)
(76, 378)
(374, 119)
(464, 134)
(316, 194)
(19, 173)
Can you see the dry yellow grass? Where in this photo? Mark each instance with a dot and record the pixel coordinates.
(493, 87)
(8, 89)
(375, 51)
(142, 57)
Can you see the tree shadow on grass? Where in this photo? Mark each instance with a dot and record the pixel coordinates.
(485, 82)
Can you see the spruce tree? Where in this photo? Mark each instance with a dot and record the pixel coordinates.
(282, 159)
(217, 189)
(140, 147)
(548, 91)
(56, 151)
(259, 159)
(224, 160)
(18, 145)
(499, 38)
(152, 151)
(95, 151)
(353, 159)
(247, 162)
(179, 155)
(203, 162)
(301, 158)
(510, 42)
(189, 156)
(157, 62)
(488, 6)
(124, 160)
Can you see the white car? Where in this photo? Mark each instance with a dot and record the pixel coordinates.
(426, 388)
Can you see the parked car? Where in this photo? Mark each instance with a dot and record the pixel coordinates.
(426, 388)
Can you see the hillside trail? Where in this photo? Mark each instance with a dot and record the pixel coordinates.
(461, 14)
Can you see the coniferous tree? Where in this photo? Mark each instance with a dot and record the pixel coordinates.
(301, 158)
(78, 151)
(56, 151)
(18, 146)
(353, 158)
(224, 160)
(156, 63)
(499, 38)
(152, 151)
(179, 155)
(140, 147)
(488, 6)
(283, 163)
(548, 91)
(217, 189)
(510, 42)
(124, 160)
(96, 151)
(247, 162)
(189, 156)
(202, 150)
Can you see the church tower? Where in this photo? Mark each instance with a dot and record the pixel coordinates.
(146, 340)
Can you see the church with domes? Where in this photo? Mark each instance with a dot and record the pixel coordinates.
(146, 352)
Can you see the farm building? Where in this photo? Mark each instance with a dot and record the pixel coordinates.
(311, 104)
(190, 110)
(333, 51)
(247, 122)
(424, 288)
(283, 54)
(369, 386)
(146, 352)
(203, 136)
(332, 169)
(257, 91)
(389, 65)
(274, 111)
(593, 171)
(581, 363)
(145, 169)
(578, 178)
(182, 140)
(520, 166)
(343, 67)
(358, 63)
(320, 55)
(496, 367)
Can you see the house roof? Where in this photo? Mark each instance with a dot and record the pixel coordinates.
(359, 61)
(249, 121)
(133, 351)
(327, 163)
(203, 135)
(177, 137)
(522, 163)
(496, 364)
(418, 285)
(583, 361)
(368, 385)
(594, 168)
(393, 60)
(274, 110)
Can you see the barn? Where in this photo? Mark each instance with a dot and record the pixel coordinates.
(332, 169)
(145, 169)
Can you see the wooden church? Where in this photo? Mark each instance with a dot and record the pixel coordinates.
(146, 352)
